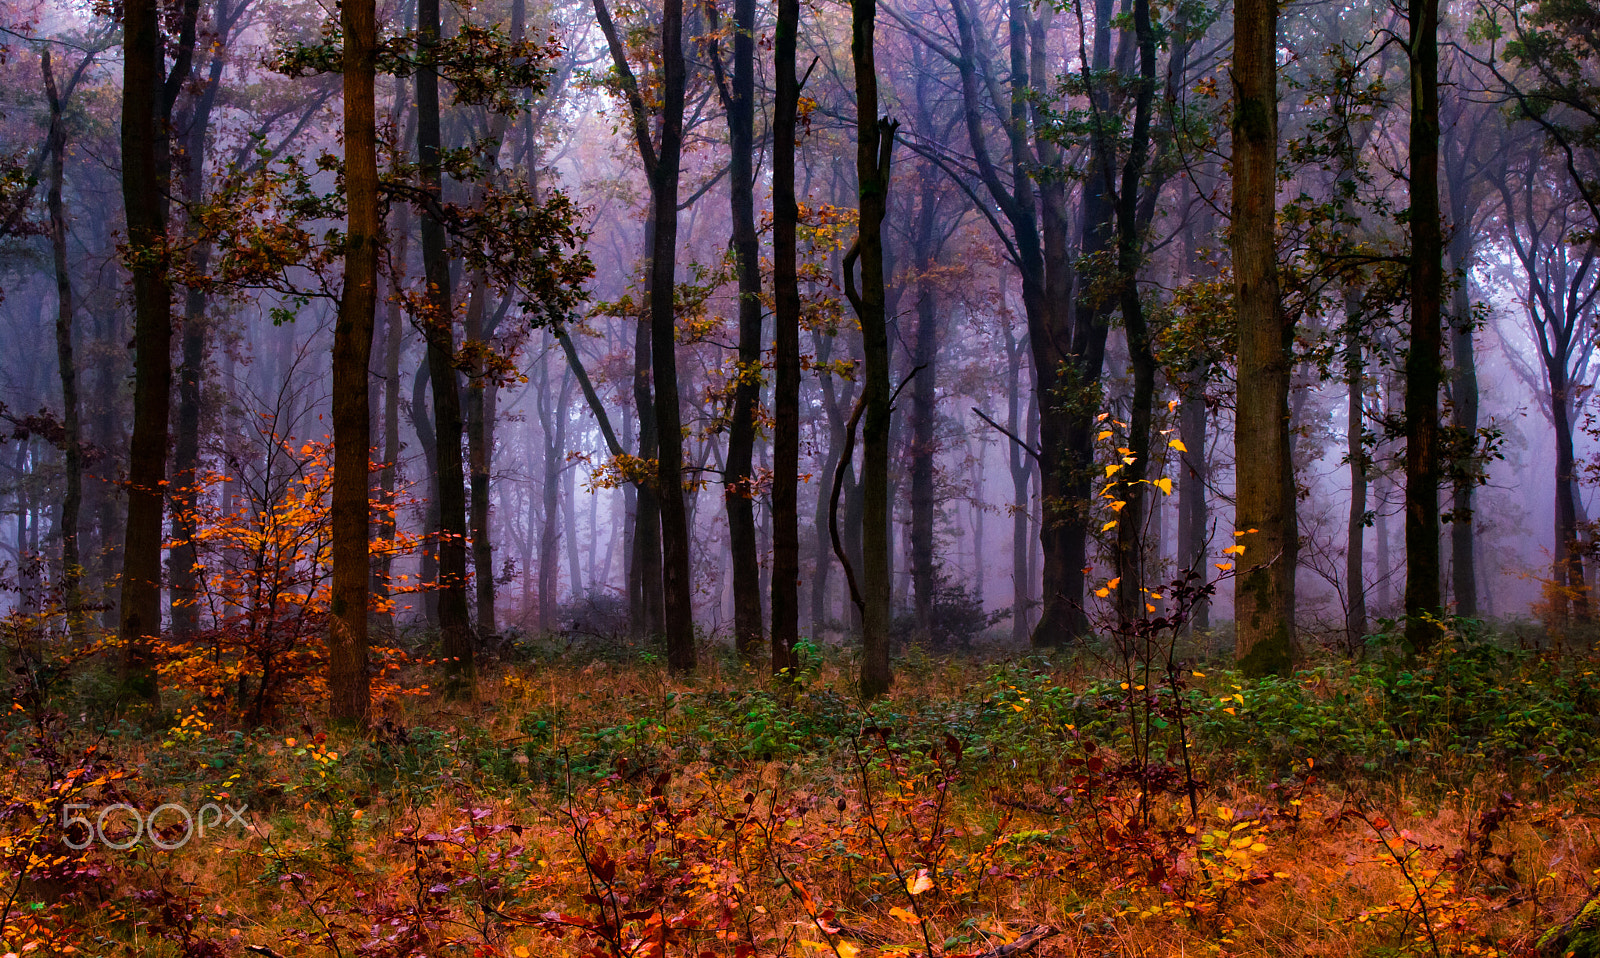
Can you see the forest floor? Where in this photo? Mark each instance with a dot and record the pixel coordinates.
(587, 804)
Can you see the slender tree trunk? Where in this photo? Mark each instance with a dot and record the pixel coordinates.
(786, 355)
(71, 575)
(738, 492)
(874, 148)
(381, 610)
(146, 176)
(1356, 453)
(1464, 405)
(1568, 566)
(1424, 370)
(1021, 465)
(1193, 478)
(480, 449)
(182, 576)
(455, 627)
(924, 395)
(1265, 509)
(349, 685)
(677, 612)
(1134, 490)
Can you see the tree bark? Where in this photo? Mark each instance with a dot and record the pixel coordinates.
(455, 627)
(1264, 598)
(677, 611)
(148, 92)
(349, 684)
(874, 149)
(71, 576)
(738, 493)
(1424, 369)
(785, 599)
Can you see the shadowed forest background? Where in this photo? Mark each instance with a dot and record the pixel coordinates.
(896, 477)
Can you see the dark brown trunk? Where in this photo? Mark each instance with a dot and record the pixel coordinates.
(455, 626)
(1424, 369)
(480, 446)
(874, 148)
(924, 571)
(1355, 615)
(349, 684)
(786, 354)
(148, 92)
(738, 100)
(1265, 507)
(71, 573)
(1464, 405)
(677, 612)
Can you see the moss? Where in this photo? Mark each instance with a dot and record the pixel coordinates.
(1577, 937)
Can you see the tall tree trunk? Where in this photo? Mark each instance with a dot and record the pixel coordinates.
(71, 575)
(394, 336)
(1568, 566)
(874, 148)
(924, 395)
(1464, 405)
(1355, 616)
(455, 627)
(148, 92)
(182, 575)
(738, 493)
(786, 355)
(1265, 505)
(1193, 478)
(677, 611)
(1131, 528)
(480, 450)
(428, 561)
(349, 686)
(1424, 370)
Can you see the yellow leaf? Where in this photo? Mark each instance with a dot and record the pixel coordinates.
(1111, 470)
(1234, 550)
(909, 918)
(1224, 566)
(847, 950)
(520, 952)
(1104, 435)
(1165, 485)
(1110, 525)
(1178, 445)
(919, 883)
(1102, 593)
(1114, 582)
(1117, 505)
(1198, 675)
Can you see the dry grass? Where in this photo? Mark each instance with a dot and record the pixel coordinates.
(807, 856)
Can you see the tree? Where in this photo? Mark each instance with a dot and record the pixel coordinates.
(1265, 510)
(1424, 359)
(874, 150)
(349, 686)
(786, 349)
(738, 102)
(438, 323)
(149, 90)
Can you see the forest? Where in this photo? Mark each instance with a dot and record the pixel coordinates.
(852, 478)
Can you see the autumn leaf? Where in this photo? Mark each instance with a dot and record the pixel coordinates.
(908, 917)
(919, 883)
(1178, 445)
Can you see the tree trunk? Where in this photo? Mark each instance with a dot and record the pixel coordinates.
(677, 611)
(1423, 362)
(1464, 405)
(71, 575)
(1356, 452)
(874, 148)
(455, 627)
(480, 449)
(349, 685)
(924, 394)
(146, 174)
(738, 493)
(1264, 598)
(786, 356)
